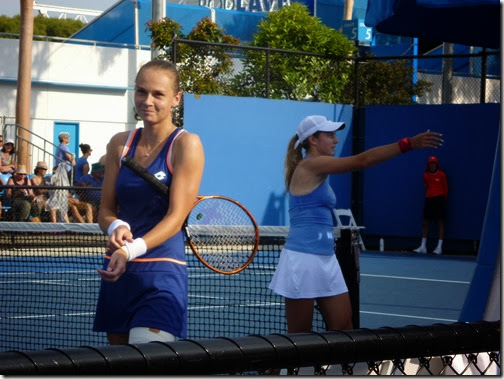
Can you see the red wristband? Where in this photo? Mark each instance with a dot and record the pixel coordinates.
(405, 145)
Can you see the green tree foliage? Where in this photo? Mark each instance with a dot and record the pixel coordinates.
(296, 76)
(163, 32)
(385, 82)
(10, 24)
(314, 64)
(42, 26)
(57, 28)
(202, 68)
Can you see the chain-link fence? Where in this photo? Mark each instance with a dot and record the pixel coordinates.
(226, 69)
(49, 203)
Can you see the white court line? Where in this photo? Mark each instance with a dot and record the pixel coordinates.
(49, 316)
(254, 305)
(70, 282)
(419, 279)
(32, 273)
(408, 316)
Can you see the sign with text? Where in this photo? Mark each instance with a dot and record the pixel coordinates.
(246, 5)
(356, 30)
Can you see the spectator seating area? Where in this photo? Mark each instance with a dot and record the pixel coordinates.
(90, 195)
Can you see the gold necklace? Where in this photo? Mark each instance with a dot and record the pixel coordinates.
(151, 150)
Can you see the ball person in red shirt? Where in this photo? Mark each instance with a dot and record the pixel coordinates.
(436, 194)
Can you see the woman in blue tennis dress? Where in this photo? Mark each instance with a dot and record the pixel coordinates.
(308, 270)
(143, 292)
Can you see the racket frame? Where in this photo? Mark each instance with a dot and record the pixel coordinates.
(194, 248)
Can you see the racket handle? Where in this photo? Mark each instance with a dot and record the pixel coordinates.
(144, 174)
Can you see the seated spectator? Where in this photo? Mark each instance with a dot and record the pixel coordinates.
(61, 203)
(2, 192)
(78, 208)
(41, 194)
(8, 157)
(95, 179)
(57, 203)
(23, 206)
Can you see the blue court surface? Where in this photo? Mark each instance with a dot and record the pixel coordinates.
(399, 289)
(396, 289)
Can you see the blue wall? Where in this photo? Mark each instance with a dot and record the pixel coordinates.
(245, 141)
(394, 191)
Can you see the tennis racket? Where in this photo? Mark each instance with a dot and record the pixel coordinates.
(220, 231)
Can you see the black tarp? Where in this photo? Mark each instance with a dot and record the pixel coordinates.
(465, 22)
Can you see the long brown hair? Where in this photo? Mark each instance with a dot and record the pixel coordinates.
(294, 156)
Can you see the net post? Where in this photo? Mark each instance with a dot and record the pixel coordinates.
(347, 251)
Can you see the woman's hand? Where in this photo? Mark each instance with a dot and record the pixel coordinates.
(427, 139)
(116, 266)
(119, 237)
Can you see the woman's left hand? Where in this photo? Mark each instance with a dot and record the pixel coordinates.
(116, 266)
(427, 139)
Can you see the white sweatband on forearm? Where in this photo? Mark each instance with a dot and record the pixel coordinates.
(135, 249)
(115, 224)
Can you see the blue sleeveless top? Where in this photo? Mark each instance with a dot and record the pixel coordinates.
(153, 290)
(311, 221)
(142, 206)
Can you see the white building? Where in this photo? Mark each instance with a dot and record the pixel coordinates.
(84, 89)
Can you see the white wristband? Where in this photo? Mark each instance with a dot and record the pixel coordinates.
(135, 249)
(115, 224)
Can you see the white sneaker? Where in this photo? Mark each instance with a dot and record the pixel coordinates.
(438, 250)
(421, 250)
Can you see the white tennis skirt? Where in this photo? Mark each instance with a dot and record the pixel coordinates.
(307, 276)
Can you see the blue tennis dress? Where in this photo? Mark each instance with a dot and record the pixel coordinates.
(308, 268)
(153, 290)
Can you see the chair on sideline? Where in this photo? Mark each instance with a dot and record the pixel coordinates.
(342, 215)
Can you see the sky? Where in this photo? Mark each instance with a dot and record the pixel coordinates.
(12, 7)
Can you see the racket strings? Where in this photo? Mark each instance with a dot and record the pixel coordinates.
(222, 234)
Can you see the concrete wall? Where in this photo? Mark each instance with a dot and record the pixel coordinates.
(87, 85)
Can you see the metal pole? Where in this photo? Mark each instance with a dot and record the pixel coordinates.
(483, 77)
(447, 89)
(158, 13)
(348, 11)
(137, 39)
(415, 65)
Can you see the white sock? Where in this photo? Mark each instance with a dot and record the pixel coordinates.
(424, 242)
(440, 244)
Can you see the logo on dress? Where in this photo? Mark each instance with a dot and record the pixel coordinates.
(160, 175)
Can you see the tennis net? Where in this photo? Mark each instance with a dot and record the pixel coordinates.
(50, 287)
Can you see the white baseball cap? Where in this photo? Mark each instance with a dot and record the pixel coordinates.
(313, 124)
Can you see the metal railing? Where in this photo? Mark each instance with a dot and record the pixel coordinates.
(39, 148)
(78, 41)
